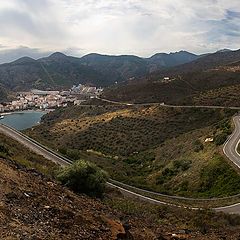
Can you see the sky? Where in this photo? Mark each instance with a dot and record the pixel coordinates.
(37, 28)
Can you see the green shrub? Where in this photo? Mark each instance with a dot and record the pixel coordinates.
(184, 185)
(219, 179)
(73, 154)
(3, 149)
(84, 177)
(177, 167)
(186, 165)
(197, 146)
(181, 165)
(220, 139)
(63, 151)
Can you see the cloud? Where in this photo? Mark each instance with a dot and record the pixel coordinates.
(120, 26)
(9, 55)
(2, 46)
(31, 23)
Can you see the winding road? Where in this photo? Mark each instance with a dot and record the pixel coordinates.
(230, 150)
(165, 105)
(231, 145)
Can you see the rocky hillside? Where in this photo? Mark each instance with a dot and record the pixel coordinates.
(206, 62)
(34, 206)
(59, 70)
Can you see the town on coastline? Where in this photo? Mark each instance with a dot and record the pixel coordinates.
(39, 99)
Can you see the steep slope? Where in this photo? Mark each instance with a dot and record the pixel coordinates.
(62, 70)
(45, 210)
(34, 207)
(186, 82)
(209, 61)
(126, 66)
(118, 68)
(19, 73)
(57, 70)
(3, 94)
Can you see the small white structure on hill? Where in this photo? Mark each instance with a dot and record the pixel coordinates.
(208, 140)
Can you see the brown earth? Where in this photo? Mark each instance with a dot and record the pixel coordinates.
(33, 206)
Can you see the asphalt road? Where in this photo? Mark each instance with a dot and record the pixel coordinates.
(33, 145)
(166, 105)
(230, 149)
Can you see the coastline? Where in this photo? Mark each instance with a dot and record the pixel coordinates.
(22, 120)
(25, 111)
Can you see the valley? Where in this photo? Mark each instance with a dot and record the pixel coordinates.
(119, 120)
(160, 139)
(153, 147)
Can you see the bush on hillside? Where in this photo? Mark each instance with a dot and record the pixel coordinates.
(197, 146)
(84, 177)
(73, 154)
(3, 149)
(220, 139)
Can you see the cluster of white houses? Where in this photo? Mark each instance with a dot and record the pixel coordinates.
(32, 100)
(85, 90)
(50, 99)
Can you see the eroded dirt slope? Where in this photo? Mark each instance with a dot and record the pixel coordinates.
(33, 207)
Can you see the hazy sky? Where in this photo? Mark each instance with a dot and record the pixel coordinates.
(140, 27)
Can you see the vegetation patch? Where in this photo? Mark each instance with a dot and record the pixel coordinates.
(84, 177)
(218, 179)
(223, 130)
(177, 167)
(11, 149)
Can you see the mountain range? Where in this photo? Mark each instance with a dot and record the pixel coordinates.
(192, 73)
(59, 70)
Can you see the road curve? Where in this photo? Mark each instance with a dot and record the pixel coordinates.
(231, 145)
(165, 105)
(230, 149)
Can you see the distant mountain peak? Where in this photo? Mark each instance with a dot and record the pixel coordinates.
(224, 50)
(24, 60)
(179, 53)
(57, 55)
